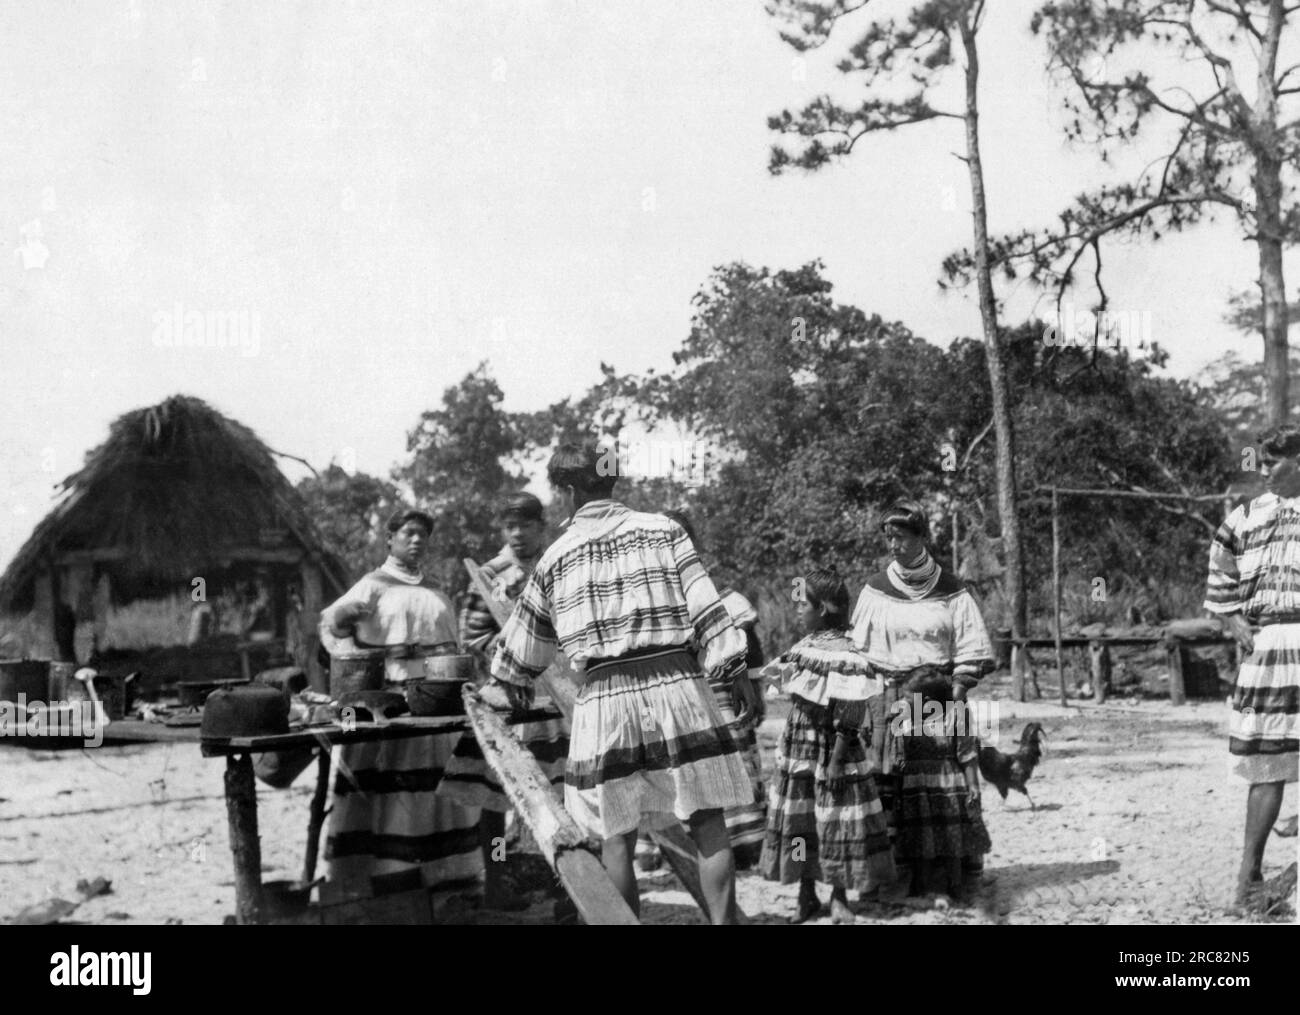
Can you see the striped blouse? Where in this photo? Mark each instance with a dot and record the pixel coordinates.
(617, 581)
(1255, 559)
(943, 628)
(822, 667)
(392, 608)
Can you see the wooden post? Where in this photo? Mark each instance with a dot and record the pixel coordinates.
(1099, 658)
(317, 820)
(1019, 660)
(1177, 689)
(1056, 590)
(312, 603)
(245, 846)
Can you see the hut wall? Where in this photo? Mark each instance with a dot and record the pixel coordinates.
(42, 646)
(310, 619)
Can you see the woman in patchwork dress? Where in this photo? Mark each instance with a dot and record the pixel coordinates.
(923, 634)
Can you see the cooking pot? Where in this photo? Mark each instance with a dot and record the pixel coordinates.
(361, 670)
(29, 677)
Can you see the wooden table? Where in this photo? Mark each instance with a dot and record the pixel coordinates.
(241, 787)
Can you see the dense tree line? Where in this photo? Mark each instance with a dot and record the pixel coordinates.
(807, 416)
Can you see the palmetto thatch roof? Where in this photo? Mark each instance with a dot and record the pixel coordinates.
(176, 489)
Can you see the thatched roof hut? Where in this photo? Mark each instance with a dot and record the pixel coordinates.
(177, 491)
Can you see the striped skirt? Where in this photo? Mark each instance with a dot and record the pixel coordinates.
(931, 815)
(746, 824)
(389, 831)
(648, 739)
(470, 781)
(838, 837)
(1265, 724)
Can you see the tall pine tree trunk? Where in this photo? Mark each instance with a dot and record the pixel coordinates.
(1268, 222)
(998, 384)
(1272, 289)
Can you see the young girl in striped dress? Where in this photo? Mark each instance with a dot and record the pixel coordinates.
(825, 819)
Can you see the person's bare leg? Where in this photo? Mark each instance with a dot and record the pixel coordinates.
(808, 905)
(617, 854)
(1262, 806)
(717, 865)
(841, 912)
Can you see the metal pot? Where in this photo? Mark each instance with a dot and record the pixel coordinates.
(356, 671)
(435, 697)
(454, 667)
(28, 677)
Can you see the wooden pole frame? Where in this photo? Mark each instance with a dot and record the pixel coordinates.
(1056, 592)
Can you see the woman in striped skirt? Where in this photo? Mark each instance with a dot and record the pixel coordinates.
(389, 831)
(825, 818)
(1255, 576)
(624, 596)
(922, 632)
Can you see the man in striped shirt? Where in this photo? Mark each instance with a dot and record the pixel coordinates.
(623, 595)
(1255, 577)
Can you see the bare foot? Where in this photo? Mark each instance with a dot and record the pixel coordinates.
(841, 913)
(1250, 896)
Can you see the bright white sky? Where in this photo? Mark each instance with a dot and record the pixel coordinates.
(398, 190)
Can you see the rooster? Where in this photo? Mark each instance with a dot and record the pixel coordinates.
(1012, 771)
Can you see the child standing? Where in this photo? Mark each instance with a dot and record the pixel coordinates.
(824, 815)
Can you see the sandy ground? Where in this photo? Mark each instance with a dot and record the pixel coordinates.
(1137, 822)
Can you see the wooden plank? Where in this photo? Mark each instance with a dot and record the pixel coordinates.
(400, 728)
(562, 843)
(245, 846)
(1119, 641)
